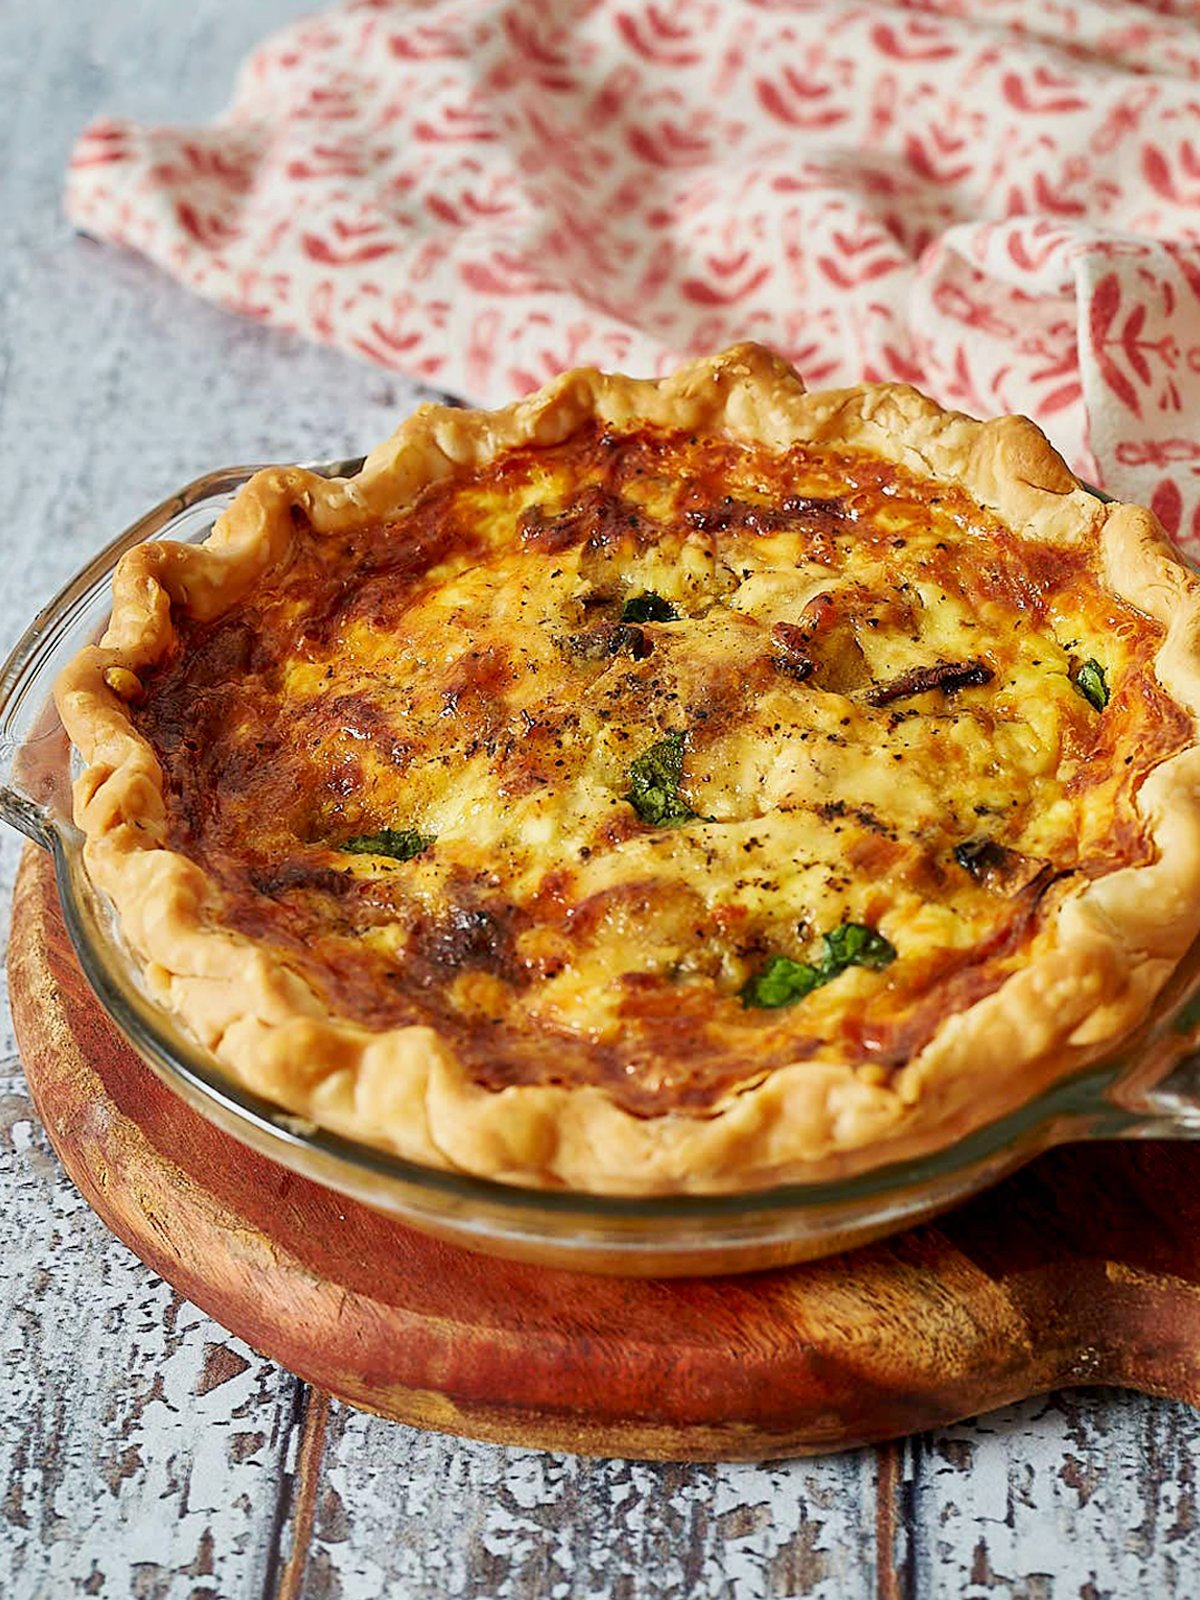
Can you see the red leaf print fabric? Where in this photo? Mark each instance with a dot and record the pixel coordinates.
(998, 200)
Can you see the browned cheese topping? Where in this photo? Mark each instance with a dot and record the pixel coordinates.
(657, 763)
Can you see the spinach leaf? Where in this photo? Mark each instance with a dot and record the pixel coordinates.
(402, 844)
(782, 981)
(654, 780)
(854, 944)
(1089, 679)
(648, 607)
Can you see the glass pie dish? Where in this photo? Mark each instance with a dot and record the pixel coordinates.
(1148, 1087)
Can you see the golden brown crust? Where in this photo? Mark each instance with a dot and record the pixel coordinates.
(1111, 945)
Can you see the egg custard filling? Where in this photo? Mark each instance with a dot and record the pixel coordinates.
(655, 786)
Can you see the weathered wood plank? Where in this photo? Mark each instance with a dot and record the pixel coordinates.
(141, 1445)
(1088, 1493)
(116, 385)
(413, 1514)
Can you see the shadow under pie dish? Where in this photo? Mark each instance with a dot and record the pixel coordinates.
(654, 786)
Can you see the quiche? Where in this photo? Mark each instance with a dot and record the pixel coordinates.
(654, 786)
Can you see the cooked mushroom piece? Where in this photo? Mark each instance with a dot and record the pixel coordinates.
(823, 645)
(997, 868)
(608, 639)
(793, 657)
(944, 675)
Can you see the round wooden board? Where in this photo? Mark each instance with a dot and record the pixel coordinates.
(1085, 1267)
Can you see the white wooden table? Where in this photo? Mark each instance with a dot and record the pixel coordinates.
(146, 1453)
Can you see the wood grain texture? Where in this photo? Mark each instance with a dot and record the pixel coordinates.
(126, 1412)
(542, 1525)
(1026, 1502)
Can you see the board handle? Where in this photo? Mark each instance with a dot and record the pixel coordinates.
(36, 761)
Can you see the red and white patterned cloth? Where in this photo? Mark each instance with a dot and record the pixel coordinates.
(998, 200)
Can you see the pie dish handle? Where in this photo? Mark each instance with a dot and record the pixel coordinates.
(35, 755)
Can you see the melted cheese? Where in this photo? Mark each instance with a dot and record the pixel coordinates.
(465, 673)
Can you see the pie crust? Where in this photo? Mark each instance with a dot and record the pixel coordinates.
(1104, 945)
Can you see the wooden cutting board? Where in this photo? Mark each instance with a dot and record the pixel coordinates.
(1083, 1268)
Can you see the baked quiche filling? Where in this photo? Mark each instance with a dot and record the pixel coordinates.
(656, 760)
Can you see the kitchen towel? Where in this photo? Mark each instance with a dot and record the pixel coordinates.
(997, 200)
